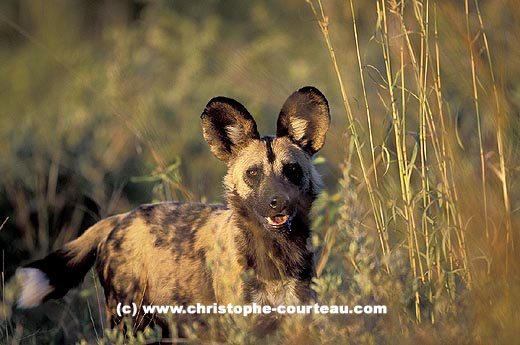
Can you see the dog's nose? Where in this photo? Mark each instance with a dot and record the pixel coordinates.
(279, 202)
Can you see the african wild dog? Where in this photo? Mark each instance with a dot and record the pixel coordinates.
(254, 249)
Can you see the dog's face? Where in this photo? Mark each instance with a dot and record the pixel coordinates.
(272, 178)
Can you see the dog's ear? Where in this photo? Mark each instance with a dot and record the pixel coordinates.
(228, 127)
(305, 119)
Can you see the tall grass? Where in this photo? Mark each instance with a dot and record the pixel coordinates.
(415, 190)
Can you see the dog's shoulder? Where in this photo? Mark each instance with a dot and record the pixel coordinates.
(163, 223)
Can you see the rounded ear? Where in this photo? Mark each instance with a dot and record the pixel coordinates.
(305, 119)
(227, 127)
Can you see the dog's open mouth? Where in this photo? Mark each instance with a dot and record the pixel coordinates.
(279, 221)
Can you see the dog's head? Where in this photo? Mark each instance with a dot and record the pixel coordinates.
(271, 177)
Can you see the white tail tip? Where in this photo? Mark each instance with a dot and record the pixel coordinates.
(35, 286)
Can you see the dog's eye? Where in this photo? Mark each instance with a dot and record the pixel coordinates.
(252, 172)
(252, 177)
(293, 172)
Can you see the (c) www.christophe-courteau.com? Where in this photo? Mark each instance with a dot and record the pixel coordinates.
(249, 309)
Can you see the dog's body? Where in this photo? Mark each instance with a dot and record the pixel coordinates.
(254, 249)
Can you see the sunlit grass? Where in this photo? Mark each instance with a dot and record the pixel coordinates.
(425, 216)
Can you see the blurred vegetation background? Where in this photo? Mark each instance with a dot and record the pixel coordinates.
(100, 105)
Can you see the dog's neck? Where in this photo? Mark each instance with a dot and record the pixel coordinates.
(270, 255)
